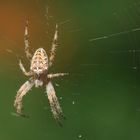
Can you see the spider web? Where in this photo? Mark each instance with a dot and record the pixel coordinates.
(128, 22)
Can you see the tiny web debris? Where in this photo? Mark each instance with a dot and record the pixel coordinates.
(73, 102)
(80, 136)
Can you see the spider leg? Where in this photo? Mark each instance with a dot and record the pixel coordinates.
(22, 92)
(54, 45)
(23, 69)
(54, 103)
(26, 42)
(56, 75)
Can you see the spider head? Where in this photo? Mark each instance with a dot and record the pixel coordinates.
(38, 83)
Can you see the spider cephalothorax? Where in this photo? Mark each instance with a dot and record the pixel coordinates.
(40, 63)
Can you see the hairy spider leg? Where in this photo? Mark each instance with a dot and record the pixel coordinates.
(20, 94)
(24, 70)
(26, 42)
(54, 45)
(51, 75)
(54, 103)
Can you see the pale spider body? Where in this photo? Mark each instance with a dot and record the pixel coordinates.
(39, 66)
(40, 63)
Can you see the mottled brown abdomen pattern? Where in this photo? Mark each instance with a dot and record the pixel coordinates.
(39, 62)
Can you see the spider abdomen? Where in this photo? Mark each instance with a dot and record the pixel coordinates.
(39, 62)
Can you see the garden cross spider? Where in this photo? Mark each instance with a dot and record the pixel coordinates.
(40, 63)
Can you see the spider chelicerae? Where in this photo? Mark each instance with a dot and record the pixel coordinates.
(39, 76)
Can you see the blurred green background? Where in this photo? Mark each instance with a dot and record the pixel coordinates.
(99, 45)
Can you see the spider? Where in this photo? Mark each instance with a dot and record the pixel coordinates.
(39, 76)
